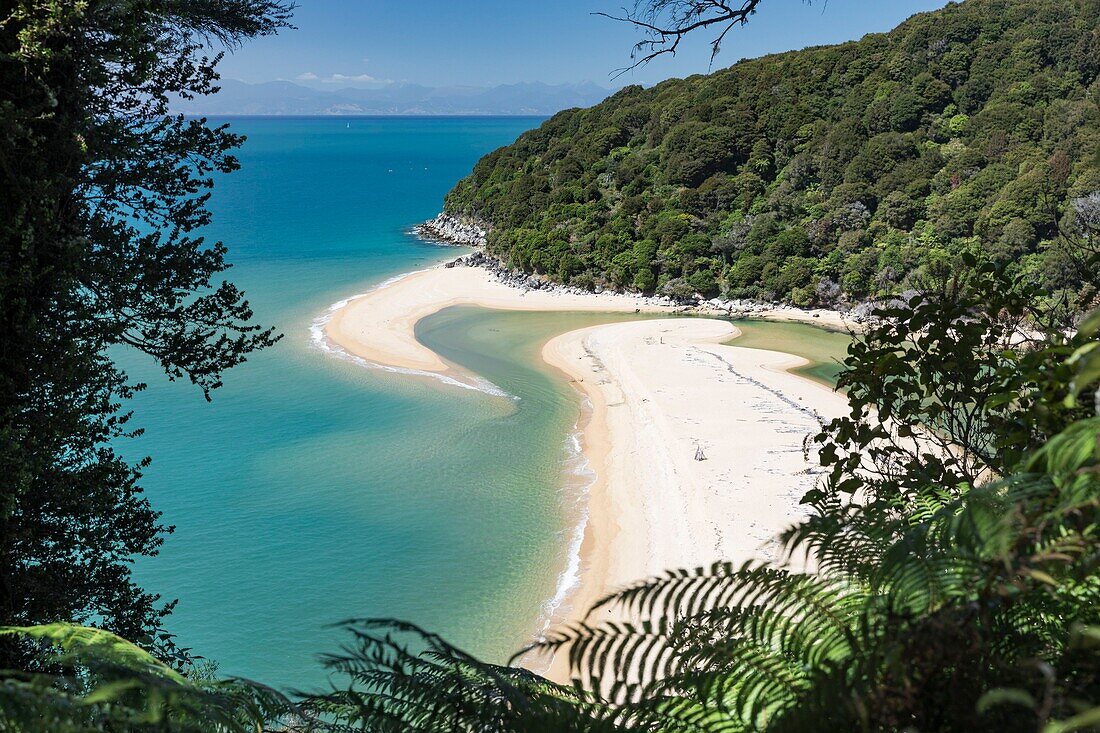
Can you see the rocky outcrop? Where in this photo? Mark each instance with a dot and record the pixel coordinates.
(506, 275)
(458, 230)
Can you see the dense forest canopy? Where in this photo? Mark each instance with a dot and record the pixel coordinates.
(831, 173)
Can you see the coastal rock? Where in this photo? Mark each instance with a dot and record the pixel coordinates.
(733, 308)
(457, 230)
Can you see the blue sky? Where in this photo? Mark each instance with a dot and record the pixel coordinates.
(367, 43)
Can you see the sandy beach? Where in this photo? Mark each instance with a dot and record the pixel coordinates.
(697, 446)
(665, 394)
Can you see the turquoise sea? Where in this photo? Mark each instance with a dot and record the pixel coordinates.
(311, 489)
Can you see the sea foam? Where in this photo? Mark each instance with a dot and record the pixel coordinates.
(579, 477)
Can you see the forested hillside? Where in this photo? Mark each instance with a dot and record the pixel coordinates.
(823, 174)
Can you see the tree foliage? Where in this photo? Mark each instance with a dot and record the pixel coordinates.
(104, 193)
(952, 581)
(878, 162)
(113, 685)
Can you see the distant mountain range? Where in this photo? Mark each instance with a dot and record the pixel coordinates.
(288, 98)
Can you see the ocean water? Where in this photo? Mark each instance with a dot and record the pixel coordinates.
(312, 489)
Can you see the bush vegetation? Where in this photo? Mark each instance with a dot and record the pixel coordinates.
(846, 171)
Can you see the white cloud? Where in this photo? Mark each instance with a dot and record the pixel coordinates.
(354, 79)
(348, 80)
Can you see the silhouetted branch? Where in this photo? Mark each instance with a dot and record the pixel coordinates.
(666, 22)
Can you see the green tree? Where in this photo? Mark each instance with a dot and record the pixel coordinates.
(103, 194)
(962, 122)
(959, 592)
(960, 595)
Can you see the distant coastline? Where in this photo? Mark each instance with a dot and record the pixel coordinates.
(286, 98)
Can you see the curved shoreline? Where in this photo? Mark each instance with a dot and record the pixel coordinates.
(319, 335)
(661, 393)
(378, 325)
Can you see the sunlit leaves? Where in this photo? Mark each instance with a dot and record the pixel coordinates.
(109, 684)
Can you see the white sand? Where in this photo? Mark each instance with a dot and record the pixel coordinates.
(659, 389)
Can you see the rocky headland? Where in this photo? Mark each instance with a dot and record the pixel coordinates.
(462, 231)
